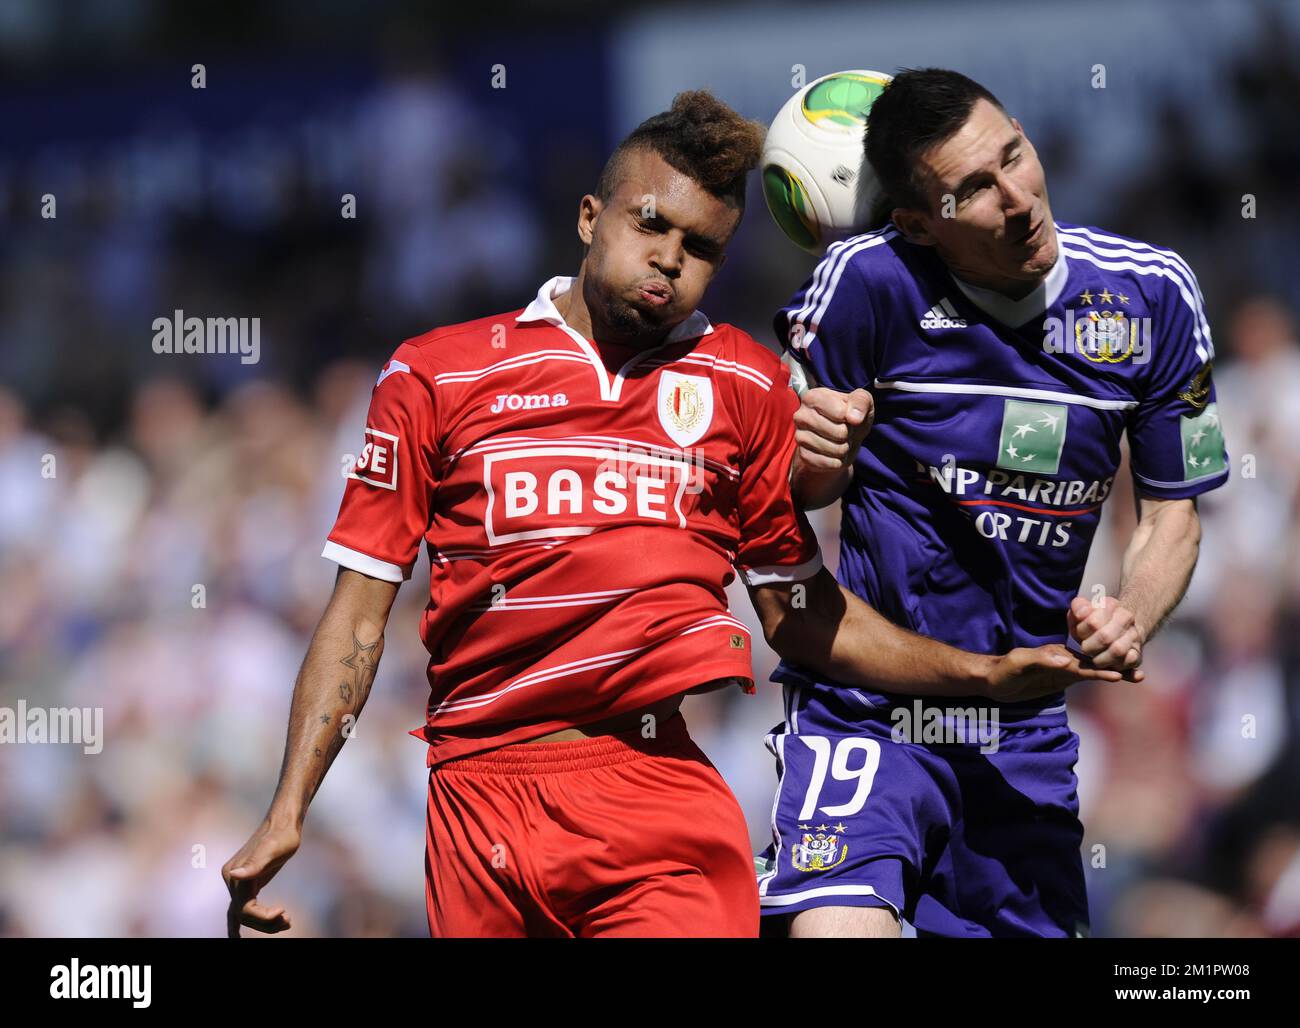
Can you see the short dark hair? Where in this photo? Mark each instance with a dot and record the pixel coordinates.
(919, 109)
(701, 137)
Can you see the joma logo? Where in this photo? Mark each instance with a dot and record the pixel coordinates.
(530, 401)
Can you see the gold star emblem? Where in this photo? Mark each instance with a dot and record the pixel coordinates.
(1105, 296)
(1085, 297)
(1122, 298)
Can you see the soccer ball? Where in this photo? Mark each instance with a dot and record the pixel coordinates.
(816, 179)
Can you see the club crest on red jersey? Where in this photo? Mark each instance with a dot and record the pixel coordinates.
(685, 406)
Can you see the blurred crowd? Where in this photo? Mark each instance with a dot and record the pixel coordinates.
(1187, 783)
(161, 517)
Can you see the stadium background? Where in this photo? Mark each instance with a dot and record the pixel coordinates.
(174, 471)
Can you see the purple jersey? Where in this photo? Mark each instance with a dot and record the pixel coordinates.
(976, 496)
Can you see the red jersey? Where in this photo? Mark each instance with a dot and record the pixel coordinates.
(582, 517)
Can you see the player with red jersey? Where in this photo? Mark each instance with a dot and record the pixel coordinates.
(586, 473)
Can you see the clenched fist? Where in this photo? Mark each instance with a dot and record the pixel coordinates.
(1106, 632)
(830, 426)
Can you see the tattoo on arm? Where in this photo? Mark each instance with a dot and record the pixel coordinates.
(353, 689)
(362, 660)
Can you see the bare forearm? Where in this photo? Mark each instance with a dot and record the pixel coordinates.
(331, 689)
(1158, 566)
(869, 649)
(837, 634)
(814, 488)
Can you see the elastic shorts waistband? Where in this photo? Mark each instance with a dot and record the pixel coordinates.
(539, 758)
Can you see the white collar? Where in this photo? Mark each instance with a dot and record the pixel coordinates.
(1015, 313)
(543, 309)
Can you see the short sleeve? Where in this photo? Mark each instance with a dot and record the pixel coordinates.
(777, 544)
(1175, 437)
(826, 329)
(388, 496)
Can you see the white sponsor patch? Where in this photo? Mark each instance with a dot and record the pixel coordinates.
(377, 464)
(685, 406)
(548, 492)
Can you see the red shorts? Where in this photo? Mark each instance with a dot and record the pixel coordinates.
(610, 836)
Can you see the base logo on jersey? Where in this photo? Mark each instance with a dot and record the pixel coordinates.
(1033, 436)
(561, 489)
(818, 852)
(377, 464)
(685, 406)
(1202, 444)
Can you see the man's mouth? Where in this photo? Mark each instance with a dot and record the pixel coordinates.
(657, 294)
(1033, 235)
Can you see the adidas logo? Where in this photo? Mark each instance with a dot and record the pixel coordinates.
(943, 315)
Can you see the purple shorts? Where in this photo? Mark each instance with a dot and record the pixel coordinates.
(963, 821)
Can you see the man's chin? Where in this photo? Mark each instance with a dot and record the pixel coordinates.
(1048, 252)
(1041, 261)
(656, 314)
(639, 325)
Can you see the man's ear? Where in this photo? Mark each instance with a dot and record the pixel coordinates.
(588, 211)
(912, 225)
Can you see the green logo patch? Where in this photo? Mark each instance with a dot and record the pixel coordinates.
(1033, 436)
(1202, 444)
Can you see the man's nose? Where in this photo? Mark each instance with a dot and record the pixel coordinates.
(667, 256)
(1016, 201)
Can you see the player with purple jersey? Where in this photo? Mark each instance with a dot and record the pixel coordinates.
(1005, 355)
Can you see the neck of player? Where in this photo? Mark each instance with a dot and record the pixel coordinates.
(1011, 288)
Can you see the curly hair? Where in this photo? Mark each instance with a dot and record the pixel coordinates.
(701, 137)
